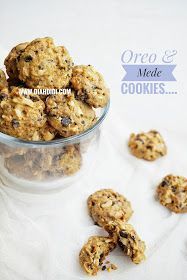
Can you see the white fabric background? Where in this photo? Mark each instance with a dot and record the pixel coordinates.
(41, 235)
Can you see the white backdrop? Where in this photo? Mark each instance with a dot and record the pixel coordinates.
(37, 241)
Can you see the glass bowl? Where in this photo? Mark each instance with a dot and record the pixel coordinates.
(43, 166)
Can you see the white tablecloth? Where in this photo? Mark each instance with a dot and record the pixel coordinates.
(41, 235)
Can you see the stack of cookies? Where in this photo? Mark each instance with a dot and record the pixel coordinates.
(111, 211)
(36, 66)
(42, 65)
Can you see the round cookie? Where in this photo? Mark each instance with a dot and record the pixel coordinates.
(44, 65)
(106, 205)
(66, 162)
(21, 116)
(148, 146)
(3, 81)
(94, 252)
(44, 163)
(68, 115)
(12, 60)
(30, 165)
(22, 168)
(172, 193)
(89, 86)
(128, 240)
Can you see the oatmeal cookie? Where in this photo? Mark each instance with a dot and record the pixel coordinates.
(66, 162)
(31, 165)
(44, 65)
(12, 60)
(44, 163)
(128, 240)
(21, 116)
(94, 252)
(106, 206)
(68, 115)
(3, 81)
(89, 86)
(22, 168)
(172, 193)
(148, 146)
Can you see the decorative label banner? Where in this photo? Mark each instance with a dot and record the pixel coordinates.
(149, 72)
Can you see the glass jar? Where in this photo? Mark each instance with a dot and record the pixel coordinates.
(43, 166)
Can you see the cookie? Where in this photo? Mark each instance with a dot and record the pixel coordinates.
(44, 65)
(172, 193)
(12, 60)
(22, 168)
(45, 133)
(128, 240)
(3, 81)
(43, 163)
(68, 115)
(21, 116)
(131, 244)
(94, 252)
(31, 165)
(148, 146)
(67, 162)
(106, 205)
(89, 86)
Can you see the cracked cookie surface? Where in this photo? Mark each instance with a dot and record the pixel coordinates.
(172, 193)
(44, 65)
(106, 205)
(68, 115)
(89, 86)
(128, 240)
(21, 116)
(94, 252)
(148, 146)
